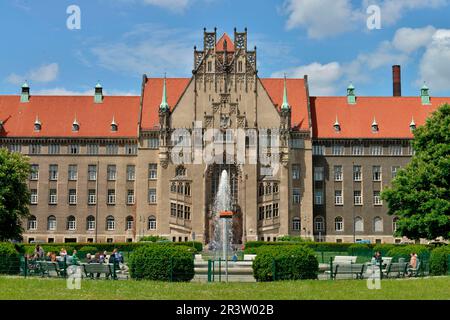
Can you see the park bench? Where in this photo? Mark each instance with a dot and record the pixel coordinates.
(91, 269)
(46, 267)
(396, 269)
(340, 260)
(414, 272)
(353, 269)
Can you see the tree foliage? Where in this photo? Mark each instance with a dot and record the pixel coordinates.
(420, 193)
(14, 194)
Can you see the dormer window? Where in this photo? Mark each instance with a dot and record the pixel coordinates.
(37, 125)
(75, 126)
(412, 125)
(337, 126)
(374, 126)
(1, 125)
(114, 126)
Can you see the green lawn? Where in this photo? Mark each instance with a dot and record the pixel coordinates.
(38, 288)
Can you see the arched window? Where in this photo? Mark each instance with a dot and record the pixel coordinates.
(394, 224)
(110, 223)
(173, 187)
(152, 223)
(32, 223)
(180, 171)
(71, 223)
(319, 223)
(187, 189)
(90, 223)
(339, 224)
(296, 224)
(378, 224)
(359, 224)
(51, 223)
(129, 223)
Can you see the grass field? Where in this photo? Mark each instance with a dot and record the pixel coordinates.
(38, 288)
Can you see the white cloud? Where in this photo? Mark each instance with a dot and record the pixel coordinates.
(327, 18)
(409, 40)
(435, 64)
(322, 78)
(43, 74)
(172, 5)
(148, 49)
(321, 18)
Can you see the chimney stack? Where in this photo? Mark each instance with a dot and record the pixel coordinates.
(397, 81)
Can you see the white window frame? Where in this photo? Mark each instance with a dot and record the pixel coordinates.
(357, 174)
(339, 225)
(152, 171)
(296, 195)
(337, 150)
(377, 199)
(130, 196)
(338, 175)
(319, 224)
(34, 196)
(110, 223)
(111, 196)
(318, 173)
(53, 198)
(338, 199)
(358, 150)
(92, 198)
(318, 197)
(377, 173)
(90, 223)
(318, 150)
(73, 197)
(357, 200)
(152, 196)
(296, 224)
(51, 223)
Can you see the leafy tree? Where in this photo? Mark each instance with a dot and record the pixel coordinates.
(420, 193)
(14, 194)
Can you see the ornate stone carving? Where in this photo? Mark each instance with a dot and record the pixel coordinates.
(241, 122)
(208, 121)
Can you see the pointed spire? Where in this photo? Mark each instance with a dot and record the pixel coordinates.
(351, 98)
(25, 94)
(285, 105)
(164, 106)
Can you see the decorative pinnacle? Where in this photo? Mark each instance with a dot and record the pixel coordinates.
(285, 105)
(164, 105)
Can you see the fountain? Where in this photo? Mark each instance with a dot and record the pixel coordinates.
(223, 224)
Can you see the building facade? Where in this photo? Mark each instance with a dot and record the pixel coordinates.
(110, 169)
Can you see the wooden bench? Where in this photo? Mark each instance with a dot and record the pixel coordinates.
(348, 269)
(90, 269)
(46, 267)
(396, 269)
(344, 259)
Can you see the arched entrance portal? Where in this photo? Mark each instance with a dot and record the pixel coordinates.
(212, 183)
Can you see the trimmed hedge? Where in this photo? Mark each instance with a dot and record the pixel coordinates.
(405, 252)
(359, 249)
(439, 260)
(9, 259)
(291, 263)
(162, 263)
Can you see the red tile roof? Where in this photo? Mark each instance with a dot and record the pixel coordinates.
(230, 44)
(57, 114)
(393, 116)
(297, 99)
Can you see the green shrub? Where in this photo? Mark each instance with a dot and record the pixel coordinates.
(9, 259)
(88, 249)
(162, 262)
(291, 263)
(154, 239)
(198, 246)
(384, 248)
(439, 260)
(359, 249)
(405, 252)
(291, 239)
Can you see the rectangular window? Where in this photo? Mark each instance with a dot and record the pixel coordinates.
(92, 196)
(92, 172)
(74, 149)
(152, 195)
(357, 173)
(92, 148)
(15, 148)
(377, 198)
(131, 172)
(153, 143)
(318, 173)
(111, 172)
(34, 196)
(275, 188)
(72, 196)
(396, 150)
(130, 149)
(53, 196)
(338, 150)
(394, 171)
(111, 196)
(296, 195)
(180, 211)
(187, 213)
(358, 150)
(337, 173)
(173, 209)
(261, 213)
(376, 150)
(34, 172)
(53, 172)
(152, 171)
(53, 149)
(34, 149)
(297, 143)
(269, 211)
(275, 210)
(318, 150)
(112, 149)
(130, 196)
(376, 173)
(338, 198)
(318, 197)
(357, 197)
(73, 172)
(295, 172)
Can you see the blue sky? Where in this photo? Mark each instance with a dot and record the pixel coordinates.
(119, 40)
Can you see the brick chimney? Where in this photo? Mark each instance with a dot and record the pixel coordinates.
(396, 81)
